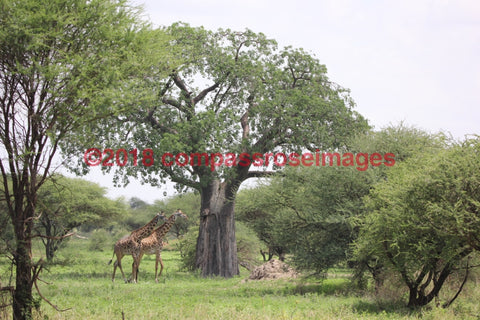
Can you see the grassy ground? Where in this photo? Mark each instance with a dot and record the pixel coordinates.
(80, 281)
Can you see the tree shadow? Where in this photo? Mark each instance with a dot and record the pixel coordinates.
(343, 287)
(383, 307)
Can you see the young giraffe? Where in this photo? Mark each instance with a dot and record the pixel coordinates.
(130, 243)
(154, 245)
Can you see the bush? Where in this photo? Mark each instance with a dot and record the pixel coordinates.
(187, 247)
(100, 240)
(248, 246)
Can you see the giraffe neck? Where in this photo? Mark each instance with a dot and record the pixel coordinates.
(147, 229)
(162, 231)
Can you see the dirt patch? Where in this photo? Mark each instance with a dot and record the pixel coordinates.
(273, 269)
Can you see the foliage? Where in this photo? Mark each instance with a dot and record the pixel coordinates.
(7, 236)
(187, 249)
(257, 98)
(423, 221)
(141, 211)
(66, 203)
(235, 93)
(248, 245)
(63, 64)
(189, 203)
(99, 240)
(253, 207)
(402, 140)
(306, 212)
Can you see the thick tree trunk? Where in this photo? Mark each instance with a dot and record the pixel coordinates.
(216, 245)
(23, 299)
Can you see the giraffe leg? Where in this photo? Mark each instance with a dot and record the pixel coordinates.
(134, 272)
(121, 269)
(159, 259)
(118, 263)
(135, 267)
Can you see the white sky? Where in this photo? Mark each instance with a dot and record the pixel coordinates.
(415, 61)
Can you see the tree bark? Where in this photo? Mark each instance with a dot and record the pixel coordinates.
(216, 253)
(417, 296)
(50, 249)
(23, 298)
(48, 242)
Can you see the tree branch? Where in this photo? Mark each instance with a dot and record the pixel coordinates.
(172, 102)
(245, 125)
(54, 238)
(181, 180)
(157, 125)
(181, 84)
(447, 304)
(400, 269)
(204, 92)
(46, 300)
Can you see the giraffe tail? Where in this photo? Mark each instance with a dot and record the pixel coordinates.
(109, 262)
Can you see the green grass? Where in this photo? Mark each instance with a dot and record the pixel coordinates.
(81, 281)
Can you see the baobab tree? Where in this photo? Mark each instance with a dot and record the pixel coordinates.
(235, 98)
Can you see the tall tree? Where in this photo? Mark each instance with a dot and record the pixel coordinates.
(237, 94)
(63, 63)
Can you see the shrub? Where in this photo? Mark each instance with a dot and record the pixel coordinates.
(187, 247)
(100, 240)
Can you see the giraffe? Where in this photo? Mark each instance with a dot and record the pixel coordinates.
(129, 244)
(153, 244)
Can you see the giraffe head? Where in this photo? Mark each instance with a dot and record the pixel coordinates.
(162, 215)
(179, 213)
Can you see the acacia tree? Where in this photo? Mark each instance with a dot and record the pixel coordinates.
(305, 211)
(65, 204)
(311, 212)
(404, 142)
(62, 64)
(423, 221)
(236, 93)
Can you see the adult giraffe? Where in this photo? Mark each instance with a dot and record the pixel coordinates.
(130, 244)
(153, 244)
